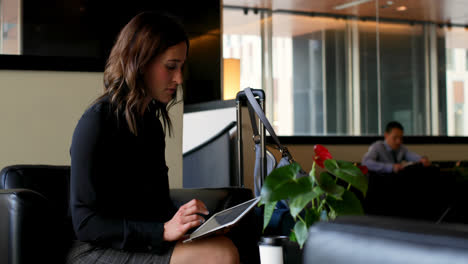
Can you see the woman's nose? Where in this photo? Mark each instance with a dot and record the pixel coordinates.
(178, 77)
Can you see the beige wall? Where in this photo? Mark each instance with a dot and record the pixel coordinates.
(39, 111)
(174, 146)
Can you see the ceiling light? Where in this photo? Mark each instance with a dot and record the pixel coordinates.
(350, 4)
(401, 8)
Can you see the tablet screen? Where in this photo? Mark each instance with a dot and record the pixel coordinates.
(224, 218)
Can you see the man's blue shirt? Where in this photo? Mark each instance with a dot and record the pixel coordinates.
(380, 158)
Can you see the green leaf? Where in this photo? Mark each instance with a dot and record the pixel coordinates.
(318, 190)
(276, 179)
(300, 230)
(292, 237)
(311, 217)
(349, 205)
(312, 171)
(267, 213)
(328, 184)
(298, 203)
(332, 214)
(291, 189)
(261, 202)
(282, 174)
(288, 188)
(348, 172)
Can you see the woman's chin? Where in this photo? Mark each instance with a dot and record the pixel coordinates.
(165, 100)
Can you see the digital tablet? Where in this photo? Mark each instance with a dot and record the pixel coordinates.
(223, 219)
(405, 164)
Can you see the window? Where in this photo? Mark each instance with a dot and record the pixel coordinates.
(242, 41)
(332, 75)
(10, 27)
(456, 79)
(450, 64)
(458, 107)
(466, 60)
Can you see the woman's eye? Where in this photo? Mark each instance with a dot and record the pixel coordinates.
(171, 67)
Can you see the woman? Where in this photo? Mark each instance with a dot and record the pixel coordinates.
(120, 203)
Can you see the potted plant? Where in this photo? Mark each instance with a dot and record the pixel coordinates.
(321, 195)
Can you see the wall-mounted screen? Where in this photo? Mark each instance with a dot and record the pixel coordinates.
(77, 35)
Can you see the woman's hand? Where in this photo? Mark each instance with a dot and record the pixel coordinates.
(185, 218)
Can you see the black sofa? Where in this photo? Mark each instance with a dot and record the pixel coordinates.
(434, 194)
(35, 224)
(370, 239)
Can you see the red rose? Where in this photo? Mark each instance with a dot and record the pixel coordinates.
(363, 169)
(321, 154)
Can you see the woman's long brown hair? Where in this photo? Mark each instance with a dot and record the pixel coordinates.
(146, 36)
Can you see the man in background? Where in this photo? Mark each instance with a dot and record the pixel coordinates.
(390, 155)
(396, 189)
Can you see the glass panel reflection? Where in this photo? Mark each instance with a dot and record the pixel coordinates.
(10, 27)
(345, 75)
(456, 40)
(241, 40)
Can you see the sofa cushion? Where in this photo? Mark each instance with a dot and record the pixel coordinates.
(365, 239)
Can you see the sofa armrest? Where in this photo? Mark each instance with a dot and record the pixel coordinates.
(49, 180)
(27, 228)
(215, 199)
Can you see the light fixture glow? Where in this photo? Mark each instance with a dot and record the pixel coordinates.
(401, 8)
(350, 4)
(231, 78)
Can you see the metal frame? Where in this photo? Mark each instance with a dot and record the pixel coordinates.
(240, 99)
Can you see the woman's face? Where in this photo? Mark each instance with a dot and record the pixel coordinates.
(164, 73)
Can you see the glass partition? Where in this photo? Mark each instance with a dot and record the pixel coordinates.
(242, 41)
(456, 41)
(402, 77)
(345, 75)
(309, 75)
(10, 19)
